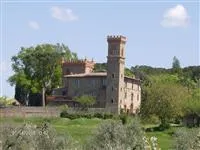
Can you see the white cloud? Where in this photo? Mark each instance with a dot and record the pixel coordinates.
(175, 17)
(34, 25)
(63, 14)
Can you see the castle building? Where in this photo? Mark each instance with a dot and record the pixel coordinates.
(112, 89)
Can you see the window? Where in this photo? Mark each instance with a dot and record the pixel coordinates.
(112, 101)
(112, 88)
(132, 96)
(113, 75)
(93, 83)
(77, 83)
(104, 81)
(125, 96)
(126, 84)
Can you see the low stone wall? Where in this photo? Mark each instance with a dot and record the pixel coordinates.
(29, 111)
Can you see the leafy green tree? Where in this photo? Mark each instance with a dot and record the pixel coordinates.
(164, 100)
(85, 100)
(38, 69)
(192, 105)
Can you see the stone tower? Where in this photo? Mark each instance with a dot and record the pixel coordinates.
(115, 72)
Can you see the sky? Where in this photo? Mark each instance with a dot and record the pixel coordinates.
(156, 31)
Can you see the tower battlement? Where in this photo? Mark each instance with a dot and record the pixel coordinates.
(116, 38)
(78, 62)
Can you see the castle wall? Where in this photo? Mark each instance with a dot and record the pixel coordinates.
(132, 96)
(77, 67)
(94, 86)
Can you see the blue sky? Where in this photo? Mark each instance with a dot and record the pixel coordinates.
(156, 31)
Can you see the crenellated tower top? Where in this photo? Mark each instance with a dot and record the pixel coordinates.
(116, 38)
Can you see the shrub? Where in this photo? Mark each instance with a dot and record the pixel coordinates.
(109, 135)
(112, 134)
(134, 135)
(33, 137)
(107, 116)
(99, 115)
(187, 139)
(123, 118)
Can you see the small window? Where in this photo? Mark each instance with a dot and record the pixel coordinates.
(138, 97)
(132, 97)
(112, 101)
(112, 88)
(125, 96)
(113, 75)
(77, 83)
(121, 75)
(121, 89)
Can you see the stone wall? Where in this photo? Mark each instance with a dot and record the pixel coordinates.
(29, 112)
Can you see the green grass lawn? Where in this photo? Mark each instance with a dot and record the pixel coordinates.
(81, 129)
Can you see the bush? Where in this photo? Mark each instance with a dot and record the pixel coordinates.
(187, 139)
(123, 118)
(108, 116)
(99, 115)
(33, 137)
(65, 114)
(109, 135)
(112, 134)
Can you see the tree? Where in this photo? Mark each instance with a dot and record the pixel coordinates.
(176, 68)
(164, 100)
(38, 69)
(85, 100)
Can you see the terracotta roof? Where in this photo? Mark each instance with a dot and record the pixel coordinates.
(94, 74)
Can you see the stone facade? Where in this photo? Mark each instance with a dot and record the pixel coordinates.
(112, 89)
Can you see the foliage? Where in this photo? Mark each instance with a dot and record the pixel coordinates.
(65, 114)
(192, 105)
(109, 135)
(123, 118)
(38, 68)
(176, 68)
(187, 139)
(163, 100)
(5, 101)
(85, 100)
(102, 67)
(128, 73)
(113, 135)
(33, 137)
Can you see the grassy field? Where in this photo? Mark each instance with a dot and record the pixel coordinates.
(81, 129)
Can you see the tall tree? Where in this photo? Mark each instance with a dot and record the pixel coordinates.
(164, 99)
(38, 69)
(176, 68)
